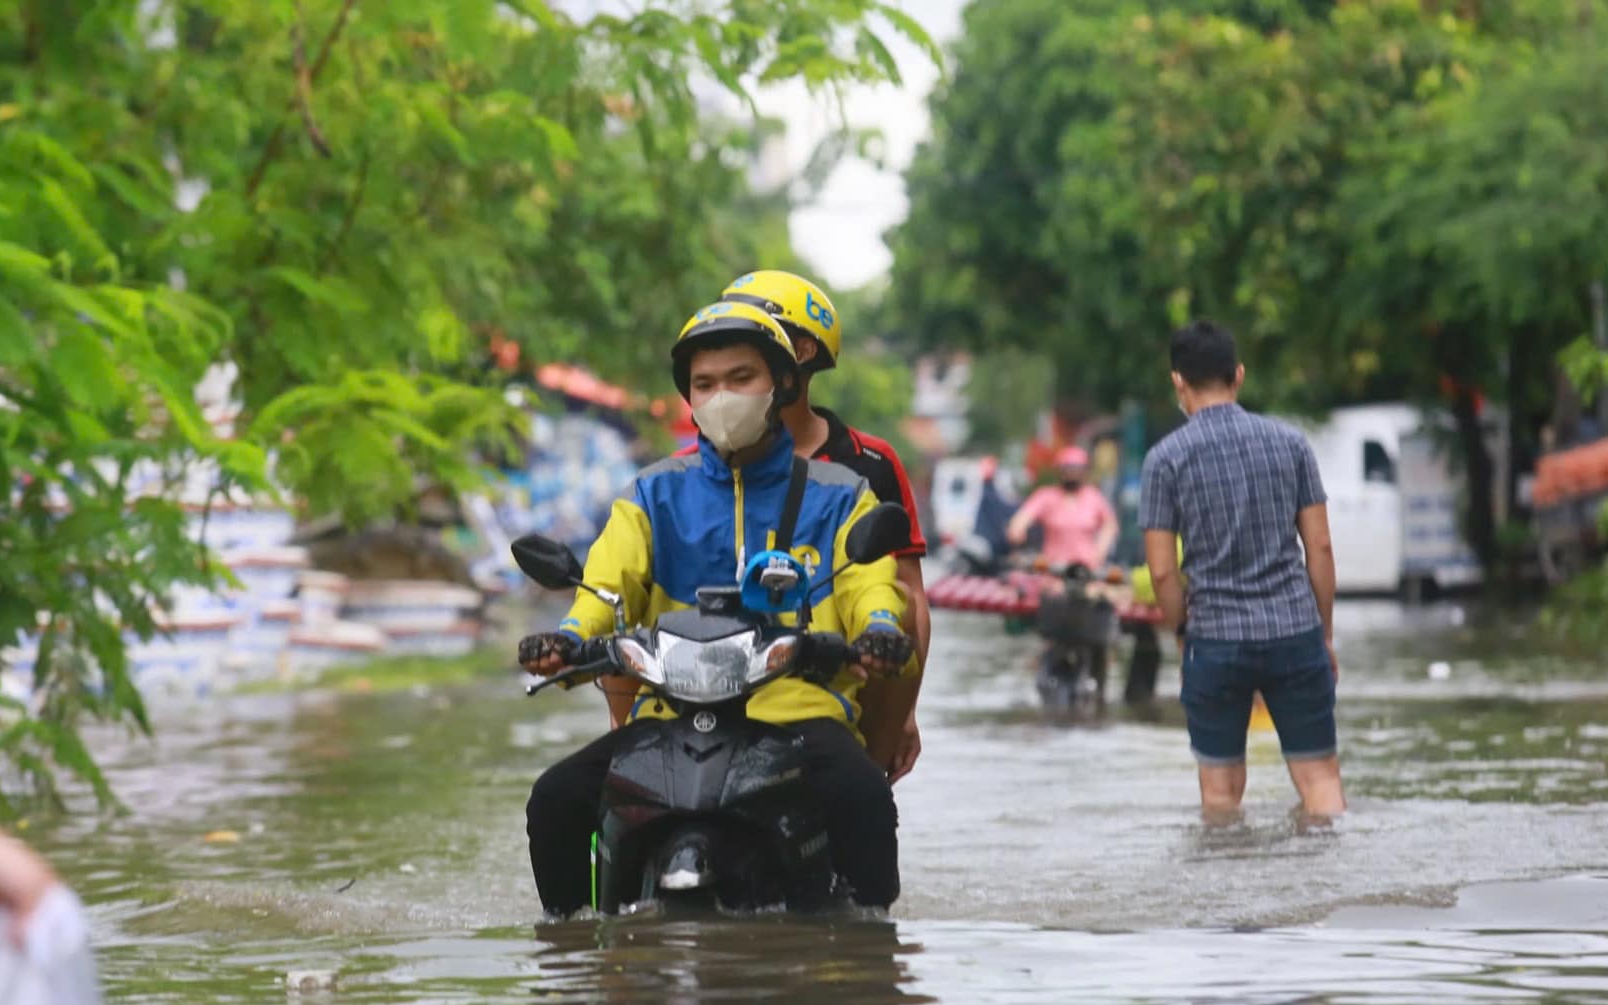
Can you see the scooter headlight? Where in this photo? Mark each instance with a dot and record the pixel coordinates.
(636, 659)
(705, 672)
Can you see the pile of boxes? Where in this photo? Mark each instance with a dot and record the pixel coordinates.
(576, 467)
(284, 619)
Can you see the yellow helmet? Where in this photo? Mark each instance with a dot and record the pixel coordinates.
(726, 323)
(802, 307)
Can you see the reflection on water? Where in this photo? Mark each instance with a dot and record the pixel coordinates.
(380, 838)
(1386, 954)
(681, 962)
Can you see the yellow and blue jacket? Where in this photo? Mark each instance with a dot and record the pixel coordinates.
(694, 521)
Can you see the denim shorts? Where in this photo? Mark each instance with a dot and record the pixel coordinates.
(1296, 681)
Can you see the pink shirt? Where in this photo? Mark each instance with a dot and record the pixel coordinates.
(1072, 522)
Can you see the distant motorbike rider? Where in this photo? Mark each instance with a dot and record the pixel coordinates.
(1080, 526)
(693, 521)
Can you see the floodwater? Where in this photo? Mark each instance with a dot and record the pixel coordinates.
(380, 845)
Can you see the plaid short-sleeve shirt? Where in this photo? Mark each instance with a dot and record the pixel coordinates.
(1230, 484)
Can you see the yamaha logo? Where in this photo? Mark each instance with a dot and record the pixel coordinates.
(704, 722)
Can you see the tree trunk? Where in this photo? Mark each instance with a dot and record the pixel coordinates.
(33, 33)
(1456, 351)
(1522, 423)
(1480, 472)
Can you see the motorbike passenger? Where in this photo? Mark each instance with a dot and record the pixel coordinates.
(693, 521)
(1079, 525)
(813, 324)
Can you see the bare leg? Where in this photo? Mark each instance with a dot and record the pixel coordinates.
(1222, 786)
(1318, 781)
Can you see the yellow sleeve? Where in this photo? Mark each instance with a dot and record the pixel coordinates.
(1143, 590)
(867, 593)
(621, 561)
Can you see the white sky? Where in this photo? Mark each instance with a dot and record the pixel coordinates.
(840, 234)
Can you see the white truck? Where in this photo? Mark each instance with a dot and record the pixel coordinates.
(1395, 500)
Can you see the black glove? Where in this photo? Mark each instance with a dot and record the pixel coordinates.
(540, 646)
(880, 643)
(1078, 573)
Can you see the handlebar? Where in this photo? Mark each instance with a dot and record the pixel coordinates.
(828, 653)
(1075, 572)
(825, 653)
(568, 678)
(821, 656)
(596, 650)
(593, 657)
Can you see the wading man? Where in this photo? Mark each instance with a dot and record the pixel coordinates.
(1244, 491)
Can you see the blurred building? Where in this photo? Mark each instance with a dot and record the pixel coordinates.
(938, 425)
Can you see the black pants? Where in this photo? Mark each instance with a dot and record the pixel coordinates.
(566, 802)
(1145, 665)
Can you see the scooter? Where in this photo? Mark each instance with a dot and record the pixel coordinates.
(1077, 629)
(711, 809)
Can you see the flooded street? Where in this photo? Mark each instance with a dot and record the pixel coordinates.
(380, 837)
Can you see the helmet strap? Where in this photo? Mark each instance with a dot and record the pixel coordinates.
(785, 387)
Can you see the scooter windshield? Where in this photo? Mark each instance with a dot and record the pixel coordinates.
(705, 672)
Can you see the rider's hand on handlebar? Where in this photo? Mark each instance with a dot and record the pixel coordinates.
(547, 653)
(882, 651)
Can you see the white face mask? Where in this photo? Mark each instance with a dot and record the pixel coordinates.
(733, 421)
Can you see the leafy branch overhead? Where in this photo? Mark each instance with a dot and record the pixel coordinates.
(1380, 197)
(347, 199)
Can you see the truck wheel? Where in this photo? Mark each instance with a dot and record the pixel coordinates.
(1417, 590)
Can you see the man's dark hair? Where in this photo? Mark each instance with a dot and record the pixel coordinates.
(1203, 354)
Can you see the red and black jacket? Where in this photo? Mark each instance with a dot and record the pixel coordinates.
(875, 461)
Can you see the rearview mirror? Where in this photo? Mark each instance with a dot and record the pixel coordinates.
(546, 561)
(880, 532)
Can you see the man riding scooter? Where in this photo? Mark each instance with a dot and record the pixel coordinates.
(692, 521)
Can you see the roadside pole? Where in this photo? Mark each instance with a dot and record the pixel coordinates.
(1130, 540)
(1599, 330)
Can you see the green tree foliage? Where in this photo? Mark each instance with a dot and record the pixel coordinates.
(1387, 198)
(1007, 393)
(97, 379)
(346, 199)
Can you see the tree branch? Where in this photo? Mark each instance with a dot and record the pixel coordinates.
(427, 203)
(349, 217)
(276, 139)
(32, 32)
(304, 85)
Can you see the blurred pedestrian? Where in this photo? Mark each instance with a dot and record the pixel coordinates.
(994, 511)
(1245, 492)
(44, 953)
